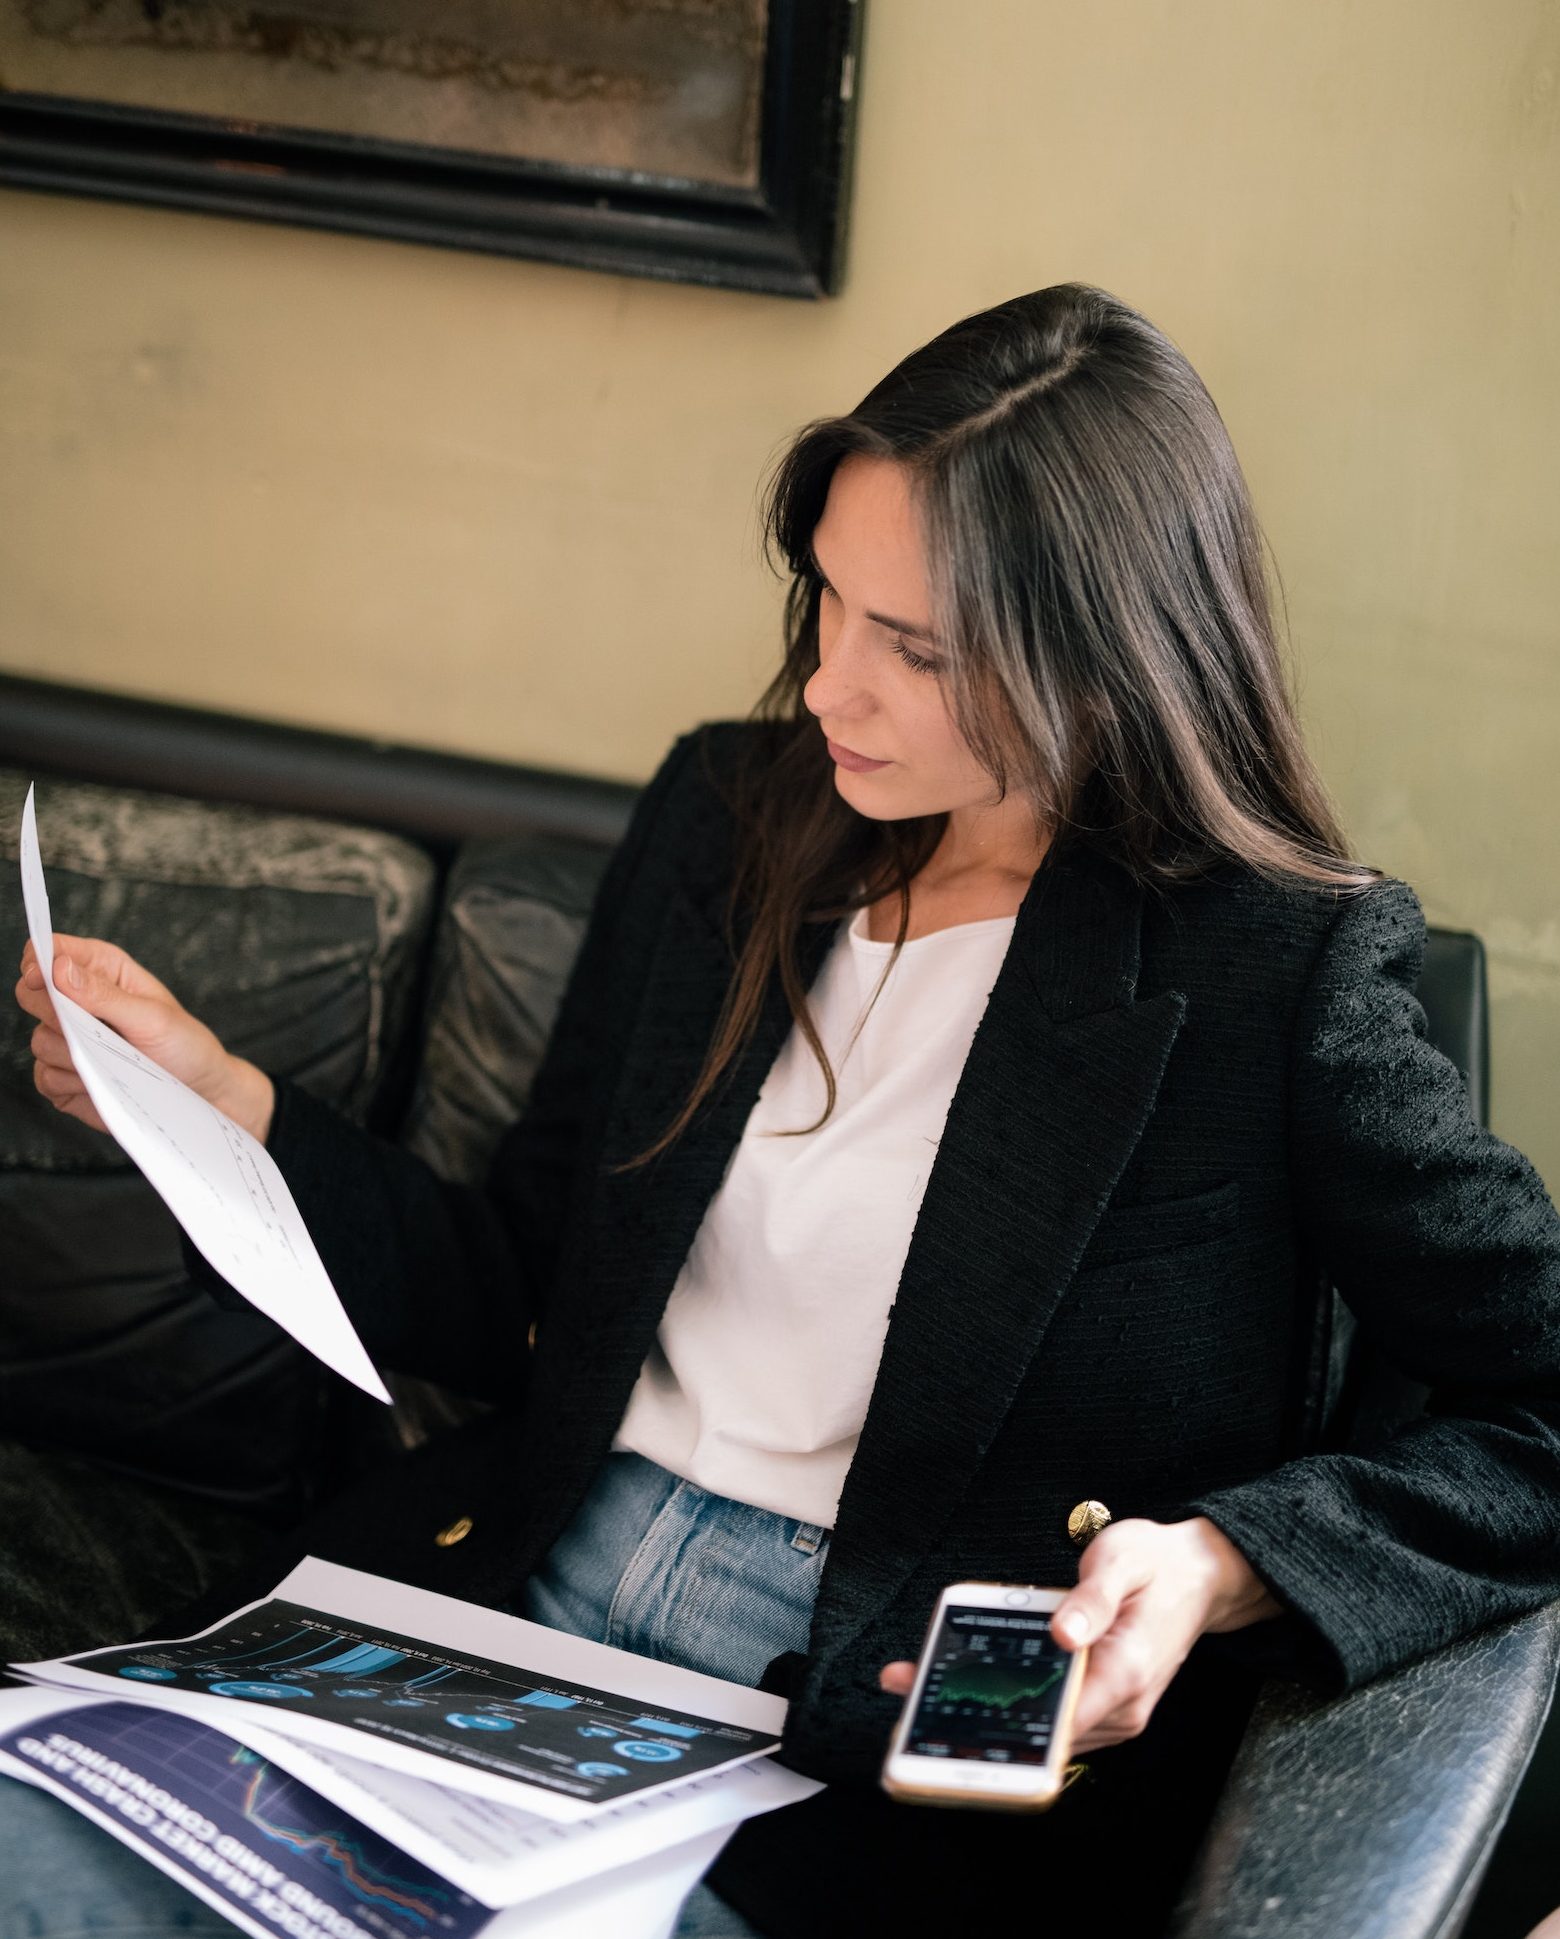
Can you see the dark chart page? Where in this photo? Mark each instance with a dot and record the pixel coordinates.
(586, 1743)
(993, 1689)
(281, 1858)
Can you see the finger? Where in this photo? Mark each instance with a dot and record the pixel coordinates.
(1121, 1709)
(48, 1046)
(137, 1007)
(35, 999)
(1130, 1669)
(898, 1679)
(1106, 1577)
(61, 1087)
(1122, 1671)
(65, 1092)
(1120, 1727)
(96, 958)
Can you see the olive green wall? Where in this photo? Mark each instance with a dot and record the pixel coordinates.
(507, 508)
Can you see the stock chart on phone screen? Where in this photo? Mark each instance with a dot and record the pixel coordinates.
(993, 1689)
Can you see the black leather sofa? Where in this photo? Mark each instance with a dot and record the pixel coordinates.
(1367, 1817)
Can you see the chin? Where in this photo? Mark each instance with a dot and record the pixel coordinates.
(868, 795)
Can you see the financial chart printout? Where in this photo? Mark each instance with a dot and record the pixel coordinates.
(267, 1851)
(993, 1689)
(467, 1710)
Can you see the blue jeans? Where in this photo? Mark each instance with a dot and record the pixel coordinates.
(650, 1563)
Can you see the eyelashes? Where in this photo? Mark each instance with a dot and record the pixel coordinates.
(917, 662)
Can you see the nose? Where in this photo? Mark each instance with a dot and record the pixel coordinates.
(838, 689)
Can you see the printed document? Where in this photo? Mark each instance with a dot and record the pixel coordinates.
(221, 1184)
(420, 1684)
(275, 1856)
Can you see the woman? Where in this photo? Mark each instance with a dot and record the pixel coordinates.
(968, 1063)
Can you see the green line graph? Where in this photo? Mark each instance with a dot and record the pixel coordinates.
(997, 1686)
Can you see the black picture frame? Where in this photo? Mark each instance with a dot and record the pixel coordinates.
(784, 238)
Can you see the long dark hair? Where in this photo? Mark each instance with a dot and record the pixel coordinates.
(1108, 644)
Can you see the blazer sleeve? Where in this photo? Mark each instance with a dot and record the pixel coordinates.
(443, 1280)
(1445, 1244)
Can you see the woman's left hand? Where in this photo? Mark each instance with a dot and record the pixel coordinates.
(1146, 1591)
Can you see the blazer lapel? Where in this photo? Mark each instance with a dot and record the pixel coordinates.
(1058, 1085)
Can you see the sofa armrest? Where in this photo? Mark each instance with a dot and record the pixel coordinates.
(1373, 1815)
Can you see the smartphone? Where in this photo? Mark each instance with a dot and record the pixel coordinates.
(989, 1722)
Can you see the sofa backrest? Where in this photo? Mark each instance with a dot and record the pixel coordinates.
(434, 799)
(307, 945)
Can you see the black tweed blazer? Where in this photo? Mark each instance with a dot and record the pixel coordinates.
(1177, 1108)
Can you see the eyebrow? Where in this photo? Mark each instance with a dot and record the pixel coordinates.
(910, 632)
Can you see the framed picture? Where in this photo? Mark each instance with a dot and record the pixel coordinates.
(702, 140)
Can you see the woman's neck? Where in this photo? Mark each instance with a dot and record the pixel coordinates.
(982, 867)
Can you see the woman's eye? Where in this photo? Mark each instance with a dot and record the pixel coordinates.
(917, 662)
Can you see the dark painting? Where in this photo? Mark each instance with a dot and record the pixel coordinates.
(705, 139)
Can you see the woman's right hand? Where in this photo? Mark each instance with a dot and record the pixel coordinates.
(114, 988)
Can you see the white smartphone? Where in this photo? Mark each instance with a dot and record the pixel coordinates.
(989, 1722)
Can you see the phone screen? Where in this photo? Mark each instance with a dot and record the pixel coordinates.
(993, 1688)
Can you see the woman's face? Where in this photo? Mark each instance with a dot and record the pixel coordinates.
(877, 694)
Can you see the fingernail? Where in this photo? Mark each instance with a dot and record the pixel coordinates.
(72, 973)
(1075, 1626)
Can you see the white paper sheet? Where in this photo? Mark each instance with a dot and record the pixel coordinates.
(447, 1635)
(639, 1901)
(638, 1898)
(506, 1856)
(221, 1184)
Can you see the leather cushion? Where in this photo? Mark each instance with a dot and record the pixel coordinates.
(511, 926)
(298, 941)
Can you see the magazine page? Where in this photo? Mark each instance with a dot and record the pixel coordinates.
(258, 1846)
(445, 1691)
(273, 1856)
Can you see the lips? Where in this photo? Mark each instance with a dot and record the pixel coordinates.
(847, 757)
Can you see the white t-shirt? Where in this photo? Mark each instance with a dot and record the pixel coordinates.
(759, 1380)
